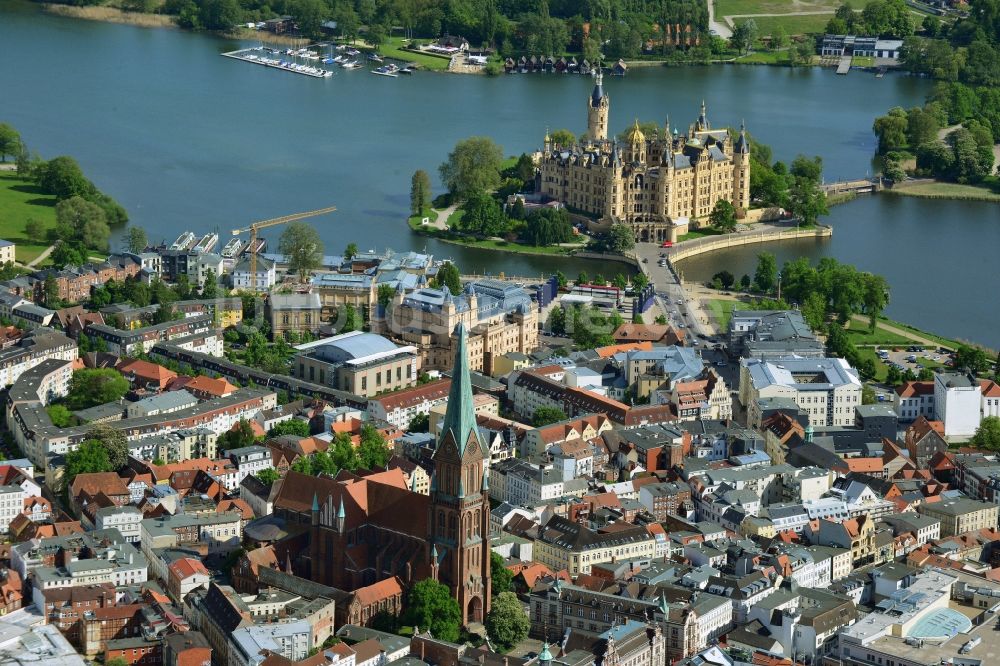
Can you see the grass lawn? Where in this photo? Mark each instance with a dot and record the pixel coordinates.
(455, 218)
(929, 363)
(862, 61)
(20, 200)
(731, 7)
(880, 368)
(860, 335)
(393, 49)
(763, 58)
(721, 311)
(793, 25)
(950, 191)
(415, 220)
(699, 233)
(506, 246)
(939, 340)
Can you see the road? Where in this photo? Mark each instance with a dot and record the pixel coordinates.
(719, 27)
(670, 295)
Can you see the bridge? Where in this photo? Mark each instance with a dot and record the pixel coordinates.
(859, 186)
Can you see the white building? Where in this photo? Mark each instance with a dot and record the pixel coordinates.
(827, 389)
(957, 403)
(265, 277)
(914, 399)
(125, 519)
(291, 640)
(36, 346)
(249, 460)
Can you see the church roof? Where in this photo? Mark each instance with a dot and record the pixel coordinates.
(460, 417)
(634, 134)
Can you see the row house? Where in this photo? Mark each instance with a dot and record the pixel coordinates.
(130, 342)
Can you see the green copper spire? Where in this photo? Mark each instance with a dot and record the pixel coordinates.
(460, 417)
(545, 656)
(340, 512)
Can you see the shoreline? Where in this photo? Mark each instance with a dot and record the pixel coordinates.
(943, 190)
(110, 15)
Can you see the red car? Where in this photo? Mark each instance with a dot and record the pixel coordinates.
(667, 244)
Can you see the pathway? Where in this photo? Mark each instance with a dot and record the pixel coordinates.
(720, 28)
(441, 221)
(42, 257)
(902, 332)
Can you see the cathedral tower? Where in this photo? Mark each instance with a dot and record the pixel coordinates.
(741, 169)
(459, 503)
(597, 111)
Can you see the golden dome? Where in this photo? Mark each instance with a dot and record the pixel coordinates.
(634, 134)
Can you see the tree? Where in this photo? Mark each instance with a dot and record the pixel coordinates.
(63, 177)
(639, 281)
(723, 216)
(33, 228)
(78, 220)
(868, 396)
(987, 434)
(807, 201)
(779, 38)
(114, 443)
(302, 247)
(51, 292)
(563, 138)
(373, 450)
(448, 276)
(745, 282)
(432, 606)
(725, 278)
(744, 35)
(473, 166)
(524, 170)
(973, 358)
(583, 278)
(219, 14)
(97, 386)
(10, 142)
(89, 457)
(268, 476)
(419, 423)
(483, 215)
(557, 321)
(350, 251)
(352, 320)
(386, 292)
(137, 240)
(60, 415)
(210, 289)
(621, 238)
(766, 276)
(875, 298)
(506, 623)
(546, 415)
(500, 575)
(890, 130)
(620, 281)
(239, 436)
(296, 427)
(420, 192)
(547, 226)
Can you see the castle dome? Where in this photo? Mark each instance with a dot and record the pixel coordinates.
(634, 134)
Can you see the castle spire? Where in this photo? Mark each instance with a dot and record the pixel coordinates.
(703, 118)
(459, 417)
(598, 94)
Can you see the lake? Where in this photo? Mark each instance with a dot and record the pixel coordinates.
(186, 139)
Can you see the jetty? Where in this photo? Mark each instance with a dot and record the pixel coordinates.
(845, 65)
(859, 186)
(256, 55)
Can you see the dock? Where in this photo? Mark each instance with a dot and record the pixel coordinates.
(255, 56)
(845, 65)
(859, 186)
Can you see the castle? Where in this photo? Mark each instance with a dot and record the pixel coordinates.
(365, 527)
(657, 185)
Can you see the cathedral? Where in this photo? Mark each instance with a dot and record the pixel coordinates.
(365, 527)
(656, 184)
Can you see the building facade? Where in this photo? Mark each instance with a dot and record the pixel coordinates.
(654, 184)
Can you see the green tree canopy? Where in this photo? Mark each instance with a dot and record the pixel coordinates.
(80, 221)
(506, 624)
(987, 434)
(500, 576)
(449, 276)
(89, 457)
(547, 226)
(473, 166)
(766, 275)
(420, 192)
(723, 216)
(621, 238)
(432, 606)
(10, 142)
(301, 245)
(137, 240)
(296, 427)
(114, 443)
(89, 387)
(63, 177)
(545, 415)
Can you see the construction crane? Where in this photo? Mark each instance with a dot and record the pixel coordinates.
(273, 222)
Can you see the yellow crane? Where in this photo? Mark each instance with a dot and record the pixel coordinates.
(263, 224)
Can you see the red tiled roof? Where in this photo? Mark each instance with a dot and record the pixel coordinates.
(384, 589)
(414, 396)
(915, 388)
(186, 567)
(210, 386)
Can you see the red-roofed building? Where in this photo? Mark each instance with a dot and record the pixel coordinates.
(923, 440)
(385, 596)
(399, 407)
(186, 575)
(206, 388)
(145, 375)
(914, 399)
(991, 397)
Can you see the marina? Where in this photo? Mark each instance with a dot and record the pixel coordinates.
(256, 56)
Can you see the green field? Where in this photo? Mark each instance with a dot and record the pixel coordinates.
(721, 310)
(393, 49)
(698, 233)
(763, 58)
(504, 246)
(859, 335)
(20, 200)
(881, 369)
(732, 7)
(949, 191)
(862, 61)
(793, 25)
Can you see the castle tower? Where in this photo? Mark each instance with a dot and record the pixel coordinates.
(597, 111)
(459, 505)
(636, 142)
(702, 123)
(741, 170)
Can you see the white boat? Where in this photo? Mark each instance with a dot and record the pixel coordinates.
(374, 57)
(350, 64)
(406, 70)
(353, 52)
(387, 70)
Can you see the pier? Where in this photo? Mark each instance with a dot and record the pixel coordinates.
(859, 186)
(256, 56)
(845, 65)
